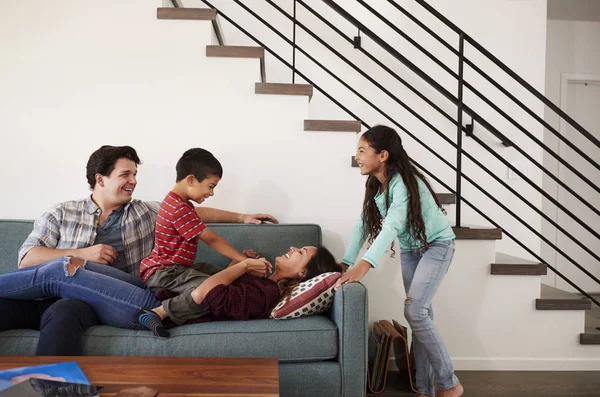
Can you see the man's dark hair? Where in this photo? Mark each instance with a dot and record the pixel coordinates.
(200, 163)
(103, 161)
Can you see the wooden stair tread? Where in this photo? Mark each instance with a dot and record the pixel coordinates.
(283, 89)
(446, 198)
(193, 14)
(477, 233)
(511, 265)
(589, 339)
(223, 51)
(557, 299)
(332, 125)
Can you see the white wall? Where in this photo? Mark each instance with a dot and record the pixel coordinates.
(572, 48)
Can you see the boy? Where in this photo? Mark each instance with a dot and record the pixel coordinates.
(178, 228)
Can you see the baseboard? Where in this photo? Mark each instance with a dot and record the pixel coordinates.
(521, 364)
(527, 364)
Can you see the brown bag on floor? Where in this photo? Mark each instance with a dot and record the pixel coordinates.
(405, 358)
(383, 337)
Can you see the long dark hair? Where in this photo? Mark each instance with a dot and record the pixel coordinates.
(385, 138)
(321, 262)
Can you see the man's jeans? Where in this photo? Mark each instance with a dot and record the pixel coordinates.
(423, 274)
(115, 296)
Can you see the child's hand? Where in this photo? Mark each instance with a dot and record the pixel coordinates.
(251, 254)
(257, 267)
(355, 274)
(257, 219)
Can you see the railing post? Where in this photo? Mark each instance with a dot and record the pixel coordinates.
(294, 47)
(459, 122)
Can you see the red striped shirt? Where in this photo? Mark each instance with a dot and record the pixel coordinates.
(176, 236)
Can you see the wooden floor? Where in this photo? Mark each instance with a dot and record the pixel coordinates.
(515, 384)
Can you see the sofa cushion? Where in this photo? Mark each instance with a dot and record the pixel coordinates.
(268, 240)
(305, 339)
(12, 235)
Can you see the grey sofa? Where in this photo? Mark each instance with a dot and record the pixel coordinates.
(323, 355)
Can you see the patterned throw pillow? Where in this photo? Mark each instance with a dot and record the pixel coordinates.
(309, 297)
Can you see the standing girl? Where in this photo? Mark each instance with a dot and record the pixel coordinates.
(399, 202)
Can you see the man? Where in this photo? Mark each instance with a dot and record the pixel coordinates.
(110, 228)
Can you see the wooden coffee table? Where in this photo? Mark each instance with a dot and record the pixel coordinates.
(172, 376)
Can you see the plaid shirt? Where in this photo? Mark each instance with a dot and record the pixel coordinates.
(72, 225)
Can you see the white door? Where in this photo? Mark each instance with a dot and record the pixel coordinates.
(583, 105)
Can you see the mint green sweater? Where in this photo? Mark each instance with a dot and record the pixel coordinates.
(437, 226)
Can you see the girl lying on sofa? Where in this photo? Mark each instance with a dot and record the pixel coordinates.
(120, 299)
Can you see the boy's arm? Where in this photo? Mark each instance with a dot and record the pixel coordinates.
(213, 215)
(248, 254)
(219, 244)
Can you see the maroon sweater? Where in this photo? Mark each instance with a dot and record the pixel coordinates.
(247, 298)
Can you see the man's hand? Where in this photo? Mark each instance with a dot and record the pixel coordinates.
(99, 253)
(257, 267)
(257, 219)
(355, 274)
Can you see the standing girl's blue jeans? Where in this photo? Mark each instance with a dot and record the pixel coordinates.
(115, 296)
(423, 273)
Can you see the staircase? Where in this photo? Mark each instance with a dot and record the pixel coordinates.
(516, 282)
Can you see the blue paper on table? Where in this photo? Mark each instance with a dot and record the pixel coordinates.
(62, 372)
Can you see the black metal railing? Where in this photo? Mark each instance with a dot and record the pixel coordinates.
(460, 105)
(458, 101)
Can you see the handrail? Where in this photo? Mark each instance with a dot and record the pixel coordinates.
(415, 69)
(509, 235)
(457, 146)
(409, 39)
(530, 112)
(280, 59)
(255, 15)
(460, 151)
(485, 99)
(459, 135)
(509, 71)
(474, 114)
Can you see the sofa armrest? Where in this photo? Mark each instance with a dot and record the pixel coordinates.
(350, 313)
